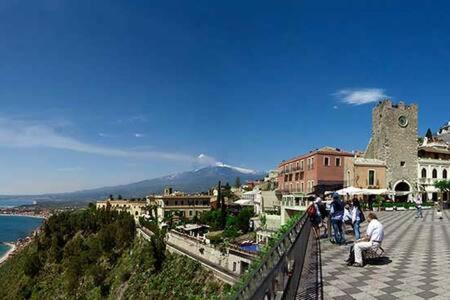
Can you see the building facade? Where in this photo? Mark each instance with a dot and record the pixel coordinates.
(365, 173)
(314, 172)
(184, 206)
(136, 208)
(433, 166)
(394, 141)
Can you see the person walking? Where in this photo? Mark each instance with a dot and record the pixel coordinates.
(373, 239)
(315, 217)
(357, 218)
(337, 215)
(418, 204)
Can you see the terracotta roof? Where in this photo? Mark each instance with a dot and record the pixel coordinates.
(323, 150)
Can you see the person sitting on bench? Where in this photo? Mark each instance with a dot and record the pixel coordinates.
(373, 239)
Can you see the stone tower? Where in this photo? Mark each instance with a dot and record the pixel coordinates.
(394, 140)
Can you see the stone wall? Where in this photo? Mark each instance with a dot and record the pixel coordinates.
(228, 265)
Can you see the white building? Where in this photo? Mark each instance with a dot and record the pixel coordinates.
(433, 166)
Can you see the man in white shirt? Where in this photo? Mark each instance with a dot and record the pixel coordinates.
(373, 239)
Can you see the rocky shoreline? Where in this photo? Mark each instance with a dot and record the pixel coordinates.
(11, 251)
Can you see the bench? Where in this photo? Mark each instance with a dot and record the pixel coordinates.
(372, 254)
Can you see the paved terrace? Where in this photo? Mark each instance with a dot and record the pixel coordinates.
(419, 251)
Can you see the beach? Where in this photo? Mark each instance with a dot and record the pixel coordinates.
(12, 249)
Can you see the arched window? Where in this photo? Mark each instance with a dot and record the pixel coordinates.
(434, 173)
(444, 174)
(424, 173)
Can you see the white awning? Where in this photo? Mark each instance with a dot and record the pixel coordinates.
(351, 190)
(244, 202)
(378, 192)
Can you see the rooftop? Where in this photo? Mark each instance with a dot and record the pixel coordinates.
(369, 162)
(323, 150)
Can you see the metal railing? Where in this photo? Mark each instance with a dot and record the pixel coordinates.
(282, 270)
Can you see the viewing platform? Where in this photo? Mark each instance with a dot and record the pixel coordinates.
(416, 263)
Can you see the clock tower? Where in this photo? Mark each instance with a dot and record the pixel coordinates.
(394, 140)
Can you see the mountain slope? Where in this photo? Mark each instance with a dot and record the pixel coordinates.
(200, 180)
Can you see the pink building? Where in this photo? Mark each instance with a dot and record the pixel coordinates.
(314, 172)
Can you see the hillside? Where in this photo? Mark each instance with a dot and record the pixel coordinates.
(195, 181)
(94, 255)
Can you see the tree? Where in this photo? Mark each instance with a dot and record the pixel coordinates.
(238, 182)
(243, 219)
(444, 187)
(32, 265)
(429, 134)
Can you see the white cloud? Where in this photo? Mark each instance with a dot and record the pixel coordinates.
(360, 96)
(139, 135)
(335, 107)
(29, 134)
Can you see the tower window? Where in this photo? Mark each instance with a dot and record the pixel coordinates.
(402, 163)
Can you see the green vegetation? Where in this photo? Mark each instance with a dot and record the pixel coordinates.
(235, 225)
(443, 185)
(93, 254)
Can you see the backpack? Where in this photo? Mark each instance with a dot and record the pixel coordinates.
(362, 217)
(323, 210)
(311, 211)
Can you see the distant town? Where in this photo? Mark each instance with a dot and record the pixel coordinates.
(226, 227)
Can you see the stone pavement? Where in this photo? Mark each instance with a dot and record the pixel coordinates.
(419, 267)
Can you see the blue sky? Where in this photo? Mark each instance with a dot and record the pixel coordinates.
(94, 93)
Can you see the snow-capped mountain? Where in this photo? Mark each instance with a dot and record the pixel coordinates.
(200, 180)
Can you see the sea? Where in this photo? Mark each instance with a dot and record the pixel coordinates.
(14, 227)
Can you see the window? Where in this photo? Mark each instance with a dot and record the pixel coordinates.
(371, 177)
(296, 165)
(326, 161)
(301, 165)
(312, 163)
(349, 178)
(176, 202)
(444, 174)
(402, 164)
(290, 177)
(302, 187)
(234, 266)
(424, 173)
(286, 177)
(338, 161)
(297, 176)
(190, 213)
(434, 173)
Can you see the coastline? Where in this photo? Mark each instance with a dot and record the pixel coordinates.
(23, 215)
(12, 249)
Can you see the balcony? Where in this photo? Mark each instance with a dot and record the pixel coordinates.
(430, 181)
